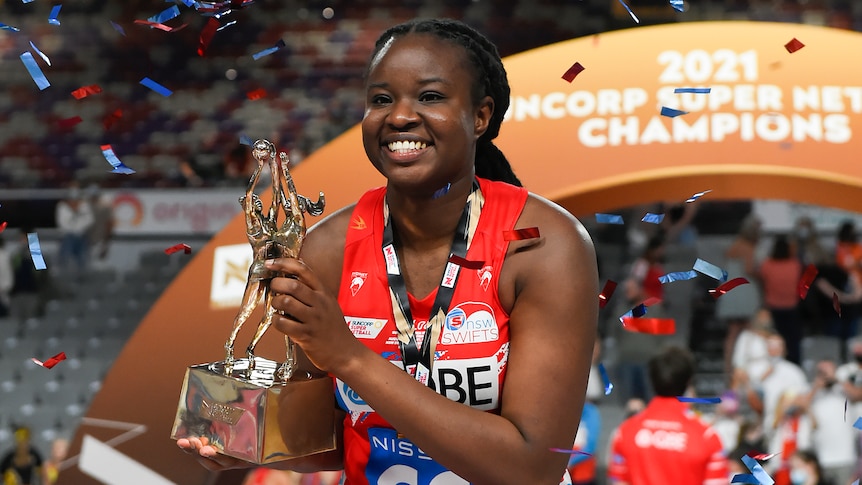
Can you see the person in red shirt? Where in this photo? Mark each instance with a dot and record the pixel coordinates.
(780, 274)
(666, 442)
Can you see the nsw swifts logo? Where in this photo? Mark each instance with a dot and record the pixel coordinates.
(357, 279)
(470, 322)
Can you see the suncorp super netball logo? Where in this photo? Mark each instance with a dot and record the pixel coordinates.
(468, 323)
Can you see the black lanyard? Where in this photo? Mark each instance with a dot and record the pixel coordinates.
(412, 356)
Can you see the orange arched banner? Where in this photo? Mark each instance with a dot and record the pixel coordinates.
(774, 125)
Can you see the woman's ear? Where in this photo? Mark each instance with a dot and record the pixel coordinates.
(484, 111)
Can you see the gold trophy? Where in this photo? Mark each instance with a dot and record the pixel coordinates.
(252, 408)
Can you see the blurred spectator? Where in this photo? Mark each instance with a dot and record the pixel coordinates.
(74, 218)
(51, 467)
(31, 288)
(780, 274)
(825, 431)
(667, 442)
(806, 470)
(750, 346)
(102, 230)
(736, 307)
(848, 251)
(833, 283)
(635, 348)
(807, 242)
(726, 421)
(7, 279)
(771, 388)
(849, 375)
(22, 465)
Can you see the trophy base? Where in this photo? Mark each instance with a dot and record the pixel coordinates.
(254, 416)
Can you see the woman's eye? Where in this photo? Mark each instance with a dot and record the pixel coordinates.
(379, 99)
(425, 97)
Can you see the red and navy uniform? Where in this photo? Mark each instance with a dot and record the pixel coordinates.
(470, 357)
(667, 443)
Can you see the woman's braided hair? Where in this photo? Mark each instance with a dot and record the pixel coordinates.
(490, 80)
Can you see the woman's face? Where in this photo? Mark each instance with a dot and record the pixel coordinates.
(421, 123)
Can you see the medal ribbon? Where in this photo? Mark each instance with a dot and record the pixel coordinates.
(422, 360)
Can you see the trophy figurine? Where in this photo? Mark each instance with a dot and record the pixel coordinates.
(253, 408)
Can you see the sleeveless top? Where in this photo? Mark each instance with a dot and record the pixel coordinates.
(470, 357)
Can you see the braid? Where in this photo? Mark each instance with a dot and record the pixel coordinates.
(490, 80)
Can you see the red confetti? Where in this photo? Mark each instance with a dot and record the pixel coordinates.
(207, 34)
(653, 326)
(179, 247)
(573, 72)
(761, 456)
(607, 293)
(806, 280)
(85, 91)
(520, 234)
(794, 45)
(52, 361)
(159, 26)
(836, 304)
(67, 123)
(112, 118)
(717, 292)
(465, 263)
(256, 94)
(3, 226)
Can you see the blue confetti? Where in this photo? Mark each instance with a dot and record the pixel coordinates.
(443, 191)
(693, 90)
(245, 140)
(672, 113)
(629, 10)
(9, 28)
(677, 276)
(635, 312)
(858, 423)
(119, 28)
(677, 5)
(653, 218)
(111, 157)
(609, 218)
(278, 45)
(697, 196)
(759, 473)
(34, 70)
(609, 386)
(710, 270)
(165, 15)
(188, 3)
(744, 478)
(41, 54)
(704, 400)
(156, 87)
(26, 1)
(36, 251)
(55, 12)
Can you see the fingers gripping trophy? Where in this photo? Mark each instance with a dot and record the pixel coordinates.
(252, 408)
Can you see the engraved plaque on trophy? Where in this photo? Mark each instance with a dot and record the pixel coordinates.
(252, 408)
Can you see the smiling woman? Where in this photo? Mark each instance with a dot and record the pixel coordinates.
(450, 264)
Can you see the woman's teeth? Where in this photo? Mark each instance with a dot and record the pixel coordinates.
(405, 146)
